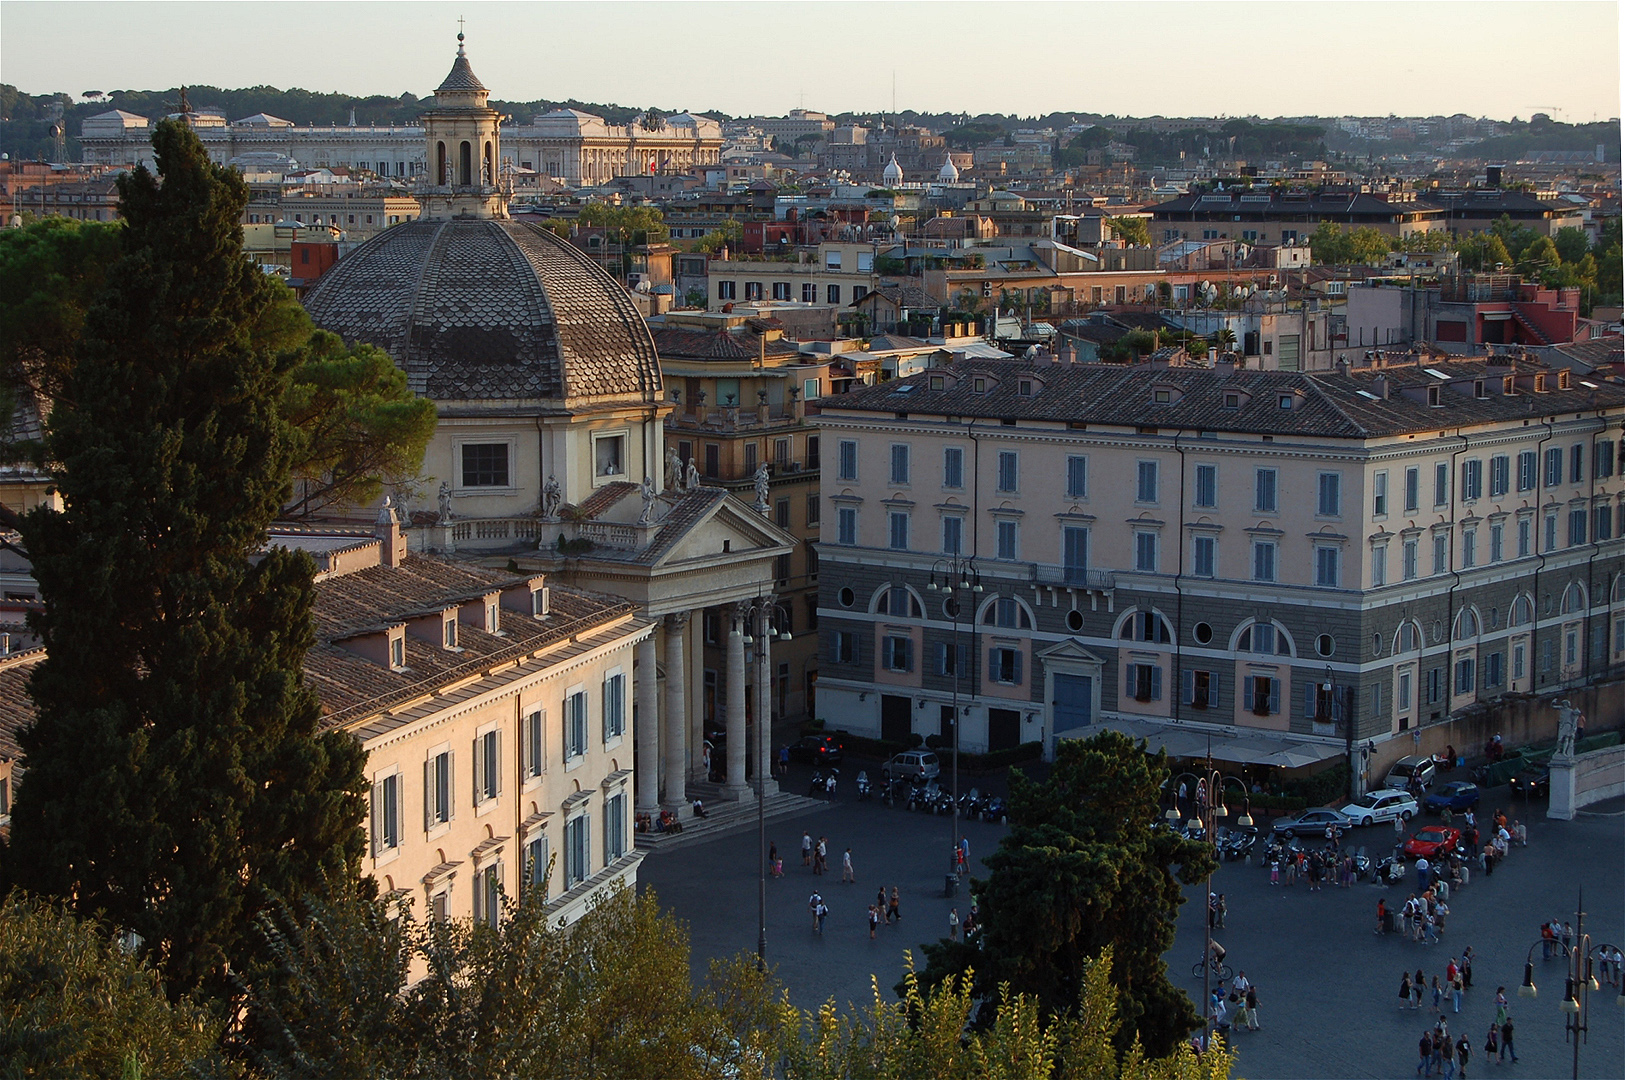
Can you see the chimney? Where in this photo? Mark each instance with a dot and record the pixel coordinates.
(1226, 367)
(1379, 386)
(391, 541)
(1343, 366)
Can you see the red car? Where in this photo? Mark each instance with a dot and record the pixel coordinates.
(1432, 841)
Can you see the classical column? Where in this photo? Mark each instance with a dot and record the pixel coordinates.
(764, 699)
(736, 699)
(648, 727)
(675, 735)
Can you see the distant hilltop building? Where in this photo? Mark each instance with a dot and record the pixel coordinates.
(571, 146)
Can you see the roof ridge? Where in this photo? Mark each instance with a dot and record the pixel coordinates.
(1331, 403)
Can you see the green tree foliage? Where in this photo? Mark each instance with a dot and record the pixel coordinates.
(1539, 257)
(74, 1003)
(1571, 243)
(970, 136)
(1332, 244)
(1082, 869)
(177, 774)
(356, 423)
(729, 235)
(1483, 252)
(1131, 230)
(633, 224)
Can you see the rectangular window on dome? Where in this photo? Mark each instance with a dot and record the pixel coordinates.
(485, 465)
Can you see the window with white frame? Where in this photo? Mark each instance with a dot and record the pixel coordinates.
(1465, 675)
(846, 525)
(1500, 475)
(614, 706)
(575, 725)
(485, 465)
(1520, 659)
(1379, 565)
(897, 652)
(847, 456)
(1146, 482)
(1379, 494)
(609, 455)
(535, 749)
(1264, 491)
(439, 805)
(1204, 554)
(387, 814)
(1264, 695)
(1009, 539)
(1526, 470)
(1472, 480)
(488, 896)
(1009, 470)
(1145, 551)
(1402, 695)
(577, 850)
(844, 647)
(1077, 476)
(1328, 567)
(899, 463)
(1143, 682)
(1330, 502)
(1004, 665)
(898, 530)
(1263, 560)
(487, 766)
(614, 827)
(1554, 466)
(1200, 689)
(1207, 486)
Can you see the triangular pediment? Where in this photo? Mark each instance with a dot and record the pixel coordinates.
(748, 535)
(1071, 649)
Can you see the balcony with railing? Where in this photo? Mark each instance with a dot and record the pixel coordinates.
(1073, 577)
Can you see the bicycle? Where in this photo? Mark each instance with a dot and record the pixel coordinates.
(1220, 970)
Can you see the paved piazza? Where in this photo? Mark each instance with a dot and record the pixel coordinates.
(1328, 986)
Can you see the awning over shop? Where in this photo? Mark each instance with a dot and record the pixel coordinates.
(1234, 745)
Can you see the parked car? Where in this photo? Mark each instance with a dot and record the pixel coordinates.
(1383, 805)
(1399, 777)
(916, 765)
(1431, 841)
(1456, 795)
(1309, 823)
(818, 749)
(1535, 783)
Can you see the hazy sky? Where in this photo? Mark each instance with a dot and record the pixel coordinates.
(1174, 58)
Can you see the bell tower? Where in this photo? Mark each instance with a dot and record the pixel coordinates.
(464, 148)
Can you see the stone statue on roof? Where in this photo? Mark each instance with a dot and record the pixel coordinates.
(445, 502)
(674, 470)
(647, 490)
(552, 494)
(761, 488)
(691, 478)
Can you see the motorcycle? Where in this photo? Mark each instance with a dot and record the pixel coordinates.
(970, 803)
(1362, 864)
(864, 791)
(816, 787)
(1237, 844)
(994, 811)
(897, 791)
(1388, 871)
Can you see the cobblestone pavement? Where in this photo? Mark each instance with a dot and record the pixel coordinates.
(1328, 985)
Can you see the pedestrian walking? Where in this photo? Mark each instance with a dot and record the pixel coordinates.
(806, 849)
(821, 856)
(1419, 984)
(1441, 1051)
(1467, 968)
(784, 761)
(953, 924)
(1506, 1040)
(1464, 1051)
(1275, 871)
(847, 876)
(874, 920)
(823, 913)
(1404, 989)
(964, 855)
(880, 899)
(892, 910)
(1251, 998)
(772, 853)
(1221, 911)
(1438, 995)
(1492, 1042)
(1501, 1011)
(1455, 992)
(814, 902)
(1424, 1064)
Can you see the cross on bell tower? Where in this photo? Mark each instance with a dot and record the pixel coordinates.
(464, 151)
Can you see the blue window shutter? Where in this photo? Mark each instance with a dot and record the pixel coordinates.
(1015, 656)
(1309, 702)
(942, 658)
(1129, 683)
(1337, 703)
(993, 665)
(1275, 695)
(962, 664)
(1156, 683)
(908, 653)
(1187, 691)
(1213, 689)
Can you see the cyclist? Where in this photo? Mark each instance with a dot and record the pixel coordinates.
(1216, 956)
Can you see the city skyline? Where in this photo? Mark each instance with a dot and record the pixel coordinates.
(935, 54)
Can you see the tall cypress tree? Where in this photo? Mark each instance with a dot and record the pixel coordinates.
(177, 774)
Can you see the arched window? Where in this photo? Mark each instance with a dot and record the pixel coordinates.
(1523, 612)
(465, 164)
(898, 601)
(441, 178)
(1007, 612)
(1574, 598)
(1264, 639)
(1618, 593)
(1409, 638)
(1466, 624)
(1147, 626)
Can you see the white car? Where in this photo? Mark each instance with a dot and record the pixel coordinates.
(1384, 805)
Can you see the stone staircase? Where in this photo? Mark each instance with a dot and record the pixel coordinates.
(723, 818)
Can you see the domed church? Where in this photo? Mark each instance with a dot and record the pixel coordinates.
(550, 444)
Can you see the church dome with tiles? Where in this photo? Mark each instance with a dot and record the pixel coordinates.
(490, 308)
(476, 306)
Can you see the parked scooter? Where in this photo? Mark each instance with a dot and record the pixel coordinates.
(897, 791)
(1362, 864)
(864, 791)
(994, 811)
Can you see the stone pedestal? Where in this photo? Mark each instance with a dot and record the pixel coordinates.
(1561, 802)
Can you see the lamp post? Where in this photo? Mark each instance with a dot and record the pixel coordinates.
(1208, 808)
(1578, 983)
(955, 575)
(764, 607)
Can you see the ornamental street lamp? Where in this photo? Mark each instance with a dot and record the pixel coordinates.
(765, 614)
(1579, 981)
(1207, 809)
(958, 577)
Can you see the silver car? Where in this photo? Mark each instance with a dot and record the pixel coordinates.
(1384, 805)
(915, 765)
